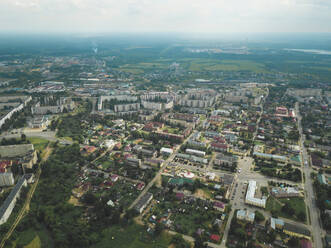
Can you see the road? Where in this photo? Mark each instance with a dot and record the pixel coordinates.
(245, 166)
(158, 174)
(157, 177)
(316, 229)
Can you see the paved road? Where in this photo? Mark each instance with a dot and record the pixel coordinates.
(157, 177)
(316, 229)
(158, 174)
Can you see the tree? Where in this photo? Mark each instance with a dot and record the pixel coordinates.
(198, 243)
(159, 227)
(89, 198)
(302, 216)
(259, 216)
(293, 242)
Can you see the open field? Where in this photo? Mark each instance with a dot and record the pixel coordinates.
(133, 236)
(38, 143)
(32, 238)
(275, 207)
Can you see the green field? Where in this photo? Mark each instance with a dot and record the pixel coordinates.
(197, 65)
(222, 65)
(32, 238)
(38, 143)
(133, 236)
(297, 203)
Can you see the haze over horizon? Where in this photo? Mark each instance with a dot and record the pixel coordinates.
(195, 16)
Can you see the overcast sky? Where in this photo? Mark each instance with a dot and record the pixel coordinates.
(212, 16)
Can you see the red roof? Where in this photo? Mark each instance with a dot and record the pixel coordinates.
(305, 243)
(219, 145)
(215, 237)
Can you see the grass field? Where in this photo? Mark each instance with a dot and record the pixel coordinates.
(32, 238)
(133, 236)
(296, 203)
(196, 64)
(222, 65)
(38, 143)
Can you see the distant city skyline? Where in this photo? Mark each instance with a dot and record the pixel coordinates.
(218, 16)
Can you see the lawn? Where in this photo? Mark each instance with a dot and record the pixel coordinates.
(133, 236)
(38, 143)
(297, 203)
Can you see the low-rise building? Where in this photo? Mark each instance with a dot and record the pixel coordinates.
(294, 230)
(225, 160)
(246, 215)
(143, 202)
(6, 179)
(285, 192)
(39, 122)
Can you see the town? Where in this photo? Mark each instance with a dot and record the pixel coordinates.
(240, 164)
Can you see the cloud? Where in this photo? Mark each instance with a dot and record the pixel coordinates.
(166, 15)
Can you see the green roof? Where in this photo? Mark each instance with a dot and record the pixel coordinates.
(180, 181)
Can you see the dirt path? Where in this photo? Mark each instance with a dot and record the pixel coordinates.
(26, 207)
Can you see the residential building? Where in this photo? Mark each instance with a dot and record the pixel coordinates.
(285, 192)
(250, 196)
(24, 154)
(143, 202)
(246, 215)
(6, 179)
(166, 151)
(196, 152)
(9, 204)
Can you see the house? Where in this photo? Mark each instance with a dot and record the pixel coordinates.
(114, 178)
(140, 186)
(4, 164)
(180, 196)
(24, 154)
(215, 238)
(87, 150)
(220, 206)
(305, 243)
(143, 202)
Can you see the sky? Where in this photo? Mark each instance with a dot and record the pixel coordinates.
(194, 16)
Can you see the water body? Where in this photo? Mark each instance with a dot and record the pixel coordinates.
(313, 51)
